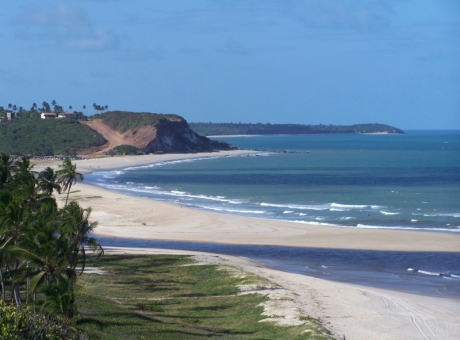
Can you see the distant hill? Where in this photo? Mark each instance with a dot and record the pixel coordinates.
(152, 132)
(219, 129)
(149, 132)
(29, 134)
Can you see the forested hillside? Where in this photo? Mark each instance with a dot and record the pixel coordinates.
(29, 134)
(216, 129)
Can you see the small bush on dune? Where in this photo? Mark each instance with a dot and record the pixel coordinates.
(23, 322)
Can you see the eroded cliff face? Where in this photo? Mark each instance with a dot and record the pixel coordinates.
(170, 135)
(176, 136)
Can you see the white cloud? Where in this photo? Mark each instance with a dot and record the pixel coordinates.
(69, 26)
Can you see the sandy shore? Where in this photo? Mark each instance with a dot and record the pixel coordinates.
(358, 312)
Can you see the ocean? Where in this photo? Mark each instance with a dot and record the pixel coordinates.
(409, 181)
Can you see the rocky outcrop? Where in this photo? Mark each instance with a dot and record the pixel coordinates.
(166, 134)
(176, 136)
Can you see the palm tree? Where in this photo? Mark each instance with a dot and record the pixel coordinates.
(6, 164)
(75, 232)
(47, 181)
(14, 223)
(60, 298)
(68, 176)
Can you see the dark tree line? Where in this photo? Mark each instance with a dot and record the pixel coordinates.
(48, 107)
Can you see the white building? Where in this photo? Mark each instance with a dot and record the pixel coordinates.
(48, 115)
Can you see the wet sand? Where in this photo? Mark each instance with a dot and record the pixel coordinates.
(356, 311)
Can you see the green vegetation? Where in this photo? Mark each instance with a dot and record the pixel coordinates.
(24, 322)
(29, 134)
(216, 129)
(127, 150)
(123, 121)
(164, 297)
(49, 107)
(41, 247)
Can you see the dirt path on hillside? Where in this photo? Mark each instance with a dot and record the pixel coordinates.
(113, 138)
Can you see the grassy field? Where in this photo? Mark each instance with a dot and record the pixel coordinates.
(167, 297)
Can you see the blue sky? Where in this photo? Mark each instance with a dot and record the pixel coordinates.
(279, 61)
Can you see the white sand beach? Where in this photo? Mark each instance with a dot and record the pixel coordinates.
(355, 311)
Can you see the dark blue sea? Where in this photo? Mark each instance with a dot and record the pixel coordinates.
(409, 181)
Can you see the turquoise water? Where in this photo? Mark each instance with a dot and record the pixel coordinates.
(409, 181)
(406, 181)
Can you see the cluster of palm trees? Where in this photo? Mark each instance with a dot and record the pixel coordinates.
(42, 246)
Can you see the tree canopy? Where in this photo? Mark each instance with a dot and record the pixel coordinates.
(42, 246)
(30, 135)
(216, 129)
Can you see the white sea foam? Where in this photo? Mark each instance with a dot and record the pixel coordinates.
(456, 215)
(204, 197)
(348, 218)
(326, 206)
(315, 223)
(388, 213)
(411, 269)
(233, 210)
(294, 206)
(364, 226)
(323, 266)
(348, 206)
(429, 273)
(302, 214)
(455, 276)
(412, 220)
(287, 212)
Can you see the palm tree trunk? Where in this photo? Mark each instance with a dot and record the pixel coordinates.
(27, 286)
(17, 295)
(68, 192)
(2, 284)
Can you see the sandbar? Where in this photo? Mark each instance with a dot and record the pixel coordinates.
(355, 311)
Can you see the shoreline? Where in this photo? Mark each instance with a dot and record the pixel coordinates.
(89, 165)
(160, 220)
(355, 311)
(358, 312)
(128, 216)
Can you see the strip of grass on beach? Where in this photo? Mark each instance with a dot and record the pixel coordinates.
(167, 297)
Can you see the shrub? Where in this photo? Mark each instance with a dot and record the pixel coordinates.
(17, 323)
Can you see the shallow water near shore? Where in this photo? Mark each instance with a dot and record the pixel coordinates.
(426, 273)
(409, 181)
